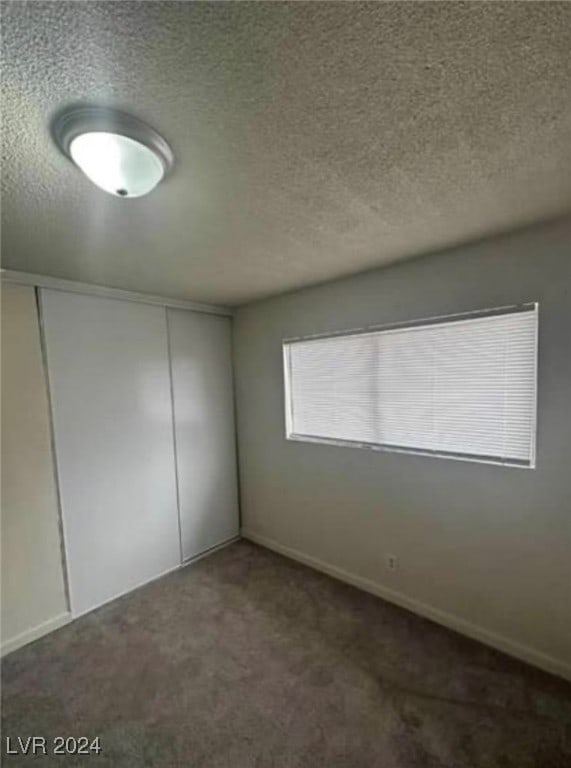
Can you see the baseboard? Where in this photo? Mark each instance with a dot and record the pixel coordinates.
(499, 642)
(65, 618)
(35, 633)
(211, 551)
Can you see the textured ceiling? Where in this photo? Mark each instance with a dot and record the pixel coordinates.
(311, 140)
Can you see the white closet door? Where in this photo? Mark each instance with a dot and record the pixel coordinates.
(109, 378)
(201, 360)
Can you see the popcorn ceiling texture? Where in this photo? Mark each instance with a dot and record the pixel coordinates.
(311, 140)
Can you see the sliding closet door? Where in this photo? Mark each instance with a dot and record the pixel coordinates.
(201, 360)
(112, 412)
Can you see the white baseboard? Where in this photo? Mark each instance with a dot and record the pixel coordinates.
(211, 551)
(172, 569)
(59, 621)
(501, 643)
(33, 634)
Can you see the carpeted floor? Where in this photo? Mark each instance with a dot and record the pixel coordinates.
(248, 660)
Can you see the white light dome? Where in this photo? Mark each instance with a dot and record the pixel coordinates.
(117, 152)
(117, 164)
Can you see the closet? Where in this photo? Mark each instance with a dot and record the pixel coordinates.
(201, 364)
(142, 414)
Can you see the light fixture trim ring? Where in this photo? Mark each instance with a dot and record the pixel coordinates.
(75, 122)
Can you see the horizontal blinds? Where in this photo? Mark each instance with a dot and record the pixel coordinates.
(464, 387)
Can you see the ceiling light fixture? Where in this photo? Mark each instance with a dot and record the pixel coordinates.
(117, 152)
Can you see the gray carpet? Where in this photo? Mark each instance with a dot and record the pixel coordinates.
(248, 660)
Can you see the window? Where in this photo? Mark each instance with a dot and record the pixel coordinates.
(461, 387)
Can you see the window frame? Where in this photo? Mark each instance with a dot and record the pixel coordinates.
(292, 436)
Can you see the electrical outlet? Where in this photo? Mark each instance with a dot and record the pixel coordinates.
(391, 562)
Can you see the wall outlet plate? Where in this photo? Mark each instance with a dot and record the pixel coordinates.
(391, 562)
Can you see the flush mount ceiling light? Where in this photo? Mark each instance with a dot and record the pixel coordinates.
(117, 152)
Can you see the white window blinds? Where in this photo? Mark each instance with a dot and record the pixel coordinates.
(463, 387)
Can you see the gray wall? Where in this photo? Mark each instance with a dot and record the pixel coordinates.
(33, 593)
(484, 548)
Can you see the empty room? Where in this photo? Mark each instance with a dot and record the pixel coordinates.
(286, 384)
